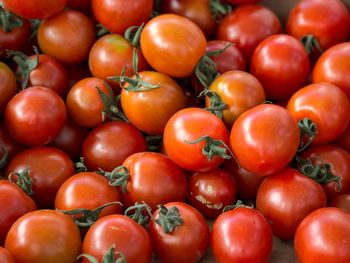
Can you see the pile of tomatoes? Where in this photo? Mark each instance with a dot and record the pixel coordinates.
(125, 126)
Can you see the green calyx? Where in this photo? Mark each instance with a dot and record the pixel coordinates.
(238, 204)
(133, 34)
(109, 257)
(311, 44)
(4, 158)
(308, 132)
(217, 106)
(8, 20)
(140, 213)
(168, 218)
(119, 177)
(80, 166)
(219, 9)
(101, 30)
(23, 180)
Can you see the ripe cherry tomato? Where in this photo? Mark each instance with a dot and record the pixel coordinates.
(187, 243)
(8, 87)
(241, 235)
(129, 238)
(108, 145)
(5, 256)
(330, 111)
(16, 38)
(33, 238)
(172, 45)
(35, 116)
(330, 227)
(264, 139)
(67, 36)
(279, 200)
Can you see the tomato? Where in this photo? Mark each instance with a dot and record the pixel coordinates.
(14, 203)
(247, 26)
(16, 38)
(330, 111)
(331, 67)
(264, 139)
(48, 169)
(209, 192)
(77, 73)
(283, 56)
(118, 15)
(241, 235)
(36, 105)
(326, 20)
(343, 140)
(8, 87)
(240, 91)
(339, 162)
(187, 243)
(330, 227)
(172, 45)
(129, 238)
(35, 9)
(180, 135)
(150, 110)
(8, 143)
(77, 190)
(33, 238)
(84, 103)
(279, 200)
(108, 145)
(5, 256)
(341, 201)
(67, 37)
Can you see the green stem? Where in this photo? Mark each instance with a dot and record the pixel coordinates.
(119, 177)
(308, 132)
(141, 213)
(101, 30)
(80, 165)
(109, 257)
(311, 44)
(169, 218)
(133, 34)
(4, 158)
(8, 20)
(23, 180)
(217, 106)
(219, 9)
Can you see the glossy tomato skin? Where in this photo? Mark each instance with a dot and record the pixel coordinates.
(240, 91)
(341, 201)
(8, 87)
(122, 232)
(241, 235)
(49, 168)
(326, 105)
(154, 179)
(331, 67)
(264, 139)
(5, 256)
(150, 110)
(330, 226)
(118, 15)
(325, 20)
(172, 45)
(209, 192)
(247, 26)
(67, 37)
(16, 39)
(14, 203)
(108, 145)
(283, 56)
(187, 243)
(76, 192)
(339, 161)
(188, 125)
(286, 198)
(35, 116)
(33, 238)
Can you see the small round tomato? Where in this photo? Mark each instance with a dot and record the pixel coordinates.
(264, 139)
(33, 238)
(279, 200)
(5, 256)
(330, 227)
(341, 201)
(283, 56)
(209, 192)
(35, 116)
(15, 38)
(129, 238)
(8, 87)
(326, 105)
(172, 45)
(68, 36)
(108, 145)
(187, 242)
(241, 235)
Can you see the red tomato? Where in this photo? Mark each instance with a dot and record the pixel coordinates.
(326, 105)
(118, 15)
(13, 204)
(16, 38)
(68, 36)
(283, 56)
(286, 198)
(343, 140)
(241, 235)
(35, 116)
(209, 192)
(129, 238)
(264, 139)
(172, 45)
(330, 228)
(247, 26)
(8, 87)
(187, 243)
(8, 143)
(186, 126)
(48, 169)
(341, 201)
(5, 256)
(108, 145)
(33, 238)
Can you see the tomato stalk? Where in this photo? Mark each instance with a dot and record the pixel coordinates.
(219, 9)
(216, 104)
(311, 44)
(101, 30)
(109, 257)
(133, 34)
(80, 166)
(238, 204)
(118, 177)
(140, 213)
(23, 180)
(308, 132)
(8, 20)
(154, 142)
(168, 218)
